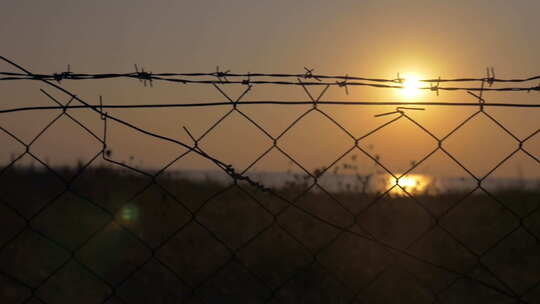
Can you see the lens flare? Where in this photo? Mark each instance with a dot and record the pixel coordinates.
(129, 213)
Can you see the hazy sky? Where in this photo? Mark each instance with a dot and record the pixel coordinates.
(369, 38)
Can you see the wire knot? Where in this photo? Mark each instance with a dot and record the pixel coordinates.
(143, 75)
(398, 79)
(343, 84)
(435, 88)
(490, 78)
(309, 74)
(220, 75)
(64, 75)
(247, 81)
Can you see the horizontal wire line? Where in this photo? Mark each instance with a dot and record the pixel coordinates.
(69, 75)
(222, 79)
(269, 102)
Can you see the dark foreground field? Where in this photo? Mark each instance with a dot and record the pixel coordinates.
(128, 238)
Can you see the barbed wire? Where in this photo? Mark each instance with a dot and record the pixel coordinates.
(274, 285)
(226, 167)
(222, 77)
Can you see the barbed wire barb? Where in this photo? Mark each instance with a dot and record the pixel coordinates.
(143, 76)
(309, 74)
(220, 75)
(399, 110)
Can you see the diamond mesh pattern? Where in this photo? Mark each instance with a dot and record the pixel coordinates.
(71, 238)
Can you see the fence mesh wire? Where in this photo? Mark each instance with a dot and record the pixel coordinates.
(70, 235)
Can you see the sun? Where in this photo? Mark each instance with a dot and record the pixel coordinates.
(411, 86)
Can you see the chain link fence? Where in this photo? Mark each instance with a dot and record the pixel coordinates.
(111, 232)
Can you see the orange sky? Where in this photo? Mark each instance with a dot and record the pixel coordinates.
(366, 38)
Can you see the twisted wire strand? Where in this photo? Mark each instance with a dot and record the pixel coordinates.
(341, 81)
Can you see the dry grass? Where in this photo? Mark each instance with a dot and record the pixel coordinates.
(242, 243)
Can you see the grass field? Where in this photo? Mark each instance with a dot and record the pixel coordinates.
(175, 240)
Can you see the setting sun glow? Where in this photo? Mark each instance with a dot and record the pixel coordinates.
(411, 86)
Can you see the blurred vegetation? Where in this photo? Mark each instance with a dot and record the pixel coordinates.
(170, 238)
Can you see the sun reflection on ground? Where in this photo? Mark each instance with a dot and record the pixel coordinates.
(411, 183)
